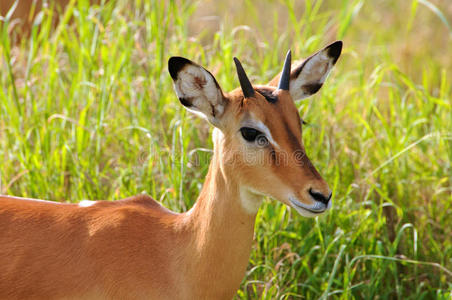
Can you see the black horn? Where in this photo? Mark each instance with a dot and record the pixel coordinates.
(284, 81)
(245, 83)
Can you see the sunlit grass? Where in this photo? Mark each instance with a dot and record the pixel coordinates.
(88, 112)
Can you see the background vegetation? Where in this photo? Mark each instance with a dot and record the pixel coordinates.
(87, 111)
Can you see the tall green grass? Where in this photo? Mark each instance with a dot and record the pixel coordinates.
(88, 112)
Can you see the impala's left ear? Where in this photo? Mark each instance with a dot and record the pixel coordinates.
(308, 77)
(197, 89)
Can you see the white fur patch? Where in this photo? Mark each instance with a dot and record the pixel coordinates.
(217, 135)
(317, 67)
(250, 200)
(261, 127)
(195, 84)
(257, 124)
(315, 71)
(86, 203)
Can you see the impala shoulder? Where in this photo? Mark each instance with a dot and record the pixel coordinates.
(140, 200)
(145, 202)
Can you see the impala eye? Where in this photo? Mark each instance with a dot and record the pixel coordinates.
(250, 134)
(253, 135)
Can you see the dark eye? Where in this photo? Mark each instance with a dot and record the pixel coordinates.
(250, 134)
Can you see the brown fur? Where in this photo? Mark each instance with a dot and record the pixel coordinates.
(295, 171)
(128, 249)
(136, 249)
(25, 13)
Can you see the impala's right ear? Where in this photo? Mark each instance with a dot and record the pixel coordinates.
(197, 89)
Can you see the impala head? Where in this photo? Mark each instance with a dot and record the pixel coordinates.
(258, 135)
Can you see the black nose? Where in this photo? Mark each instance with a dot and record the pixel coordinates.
(320, 197)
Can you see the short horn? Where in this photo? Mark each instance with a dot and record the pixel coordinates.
(245, 83)
(284, 81)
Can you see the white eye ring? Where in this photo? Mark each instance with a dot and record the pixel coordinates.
(252, 131)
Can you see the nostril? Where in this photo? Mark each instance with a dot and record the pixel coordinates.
(320, 197)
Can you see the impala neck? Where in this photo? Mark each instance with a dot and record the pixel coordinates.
(223, 230)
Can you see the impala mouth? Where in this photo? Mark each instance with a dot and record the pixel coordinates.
(309, 210)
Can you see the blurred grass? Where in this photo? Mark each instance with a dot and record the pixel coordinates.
(88, 112)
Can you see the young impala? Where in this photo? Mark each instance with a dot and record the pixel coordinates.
(135, 248)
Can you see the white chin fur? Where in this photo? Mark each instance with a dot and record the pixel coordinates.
(305, 213)
(250, 200)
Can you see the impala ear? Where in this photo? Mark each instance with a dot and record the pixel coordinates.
(308, 77)
(197, 89)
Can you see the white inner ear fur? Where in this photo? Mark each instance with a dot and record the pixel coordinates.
(315, 71)
(197, 86)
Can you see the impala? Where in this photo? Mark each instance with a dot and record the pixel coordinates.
(24, 11)
(137, 249)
